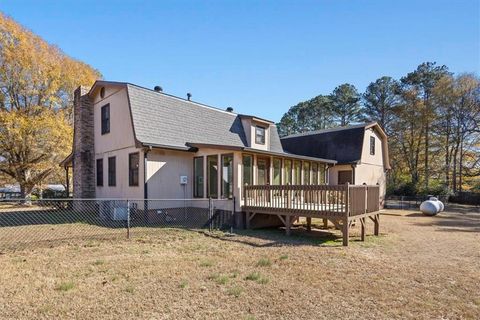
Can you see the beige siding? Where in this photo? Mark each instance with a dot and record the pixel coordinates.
(119, 142)
(164, 168)
(377, 158)
(122, 188)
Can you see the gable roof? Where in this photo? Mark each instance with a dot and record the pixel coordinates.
(343, 144)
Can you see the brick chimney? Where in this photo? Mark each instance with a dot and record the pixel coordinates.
(83, 145)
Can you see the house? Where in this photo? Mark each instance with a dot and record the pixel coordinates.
(361, 152)
(132, 142)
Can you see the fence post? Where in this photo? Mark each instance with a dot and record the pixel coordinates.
(233, 215)
(128, 219)
(210, 214)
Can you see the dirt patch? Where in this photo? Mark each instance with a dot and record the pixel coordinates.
(420, 267)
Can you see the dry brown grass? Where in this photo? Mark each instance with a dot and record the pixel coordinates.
(420, 267)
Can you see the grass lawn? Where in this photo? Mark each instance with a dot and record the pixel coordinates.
(420, 267)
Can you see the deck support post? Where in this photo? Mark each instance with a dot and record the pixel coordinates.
(325, 223)
(288, 224)
(247, 220)
(345, 231)
(363, 223)
(309, 224)
(376, 221)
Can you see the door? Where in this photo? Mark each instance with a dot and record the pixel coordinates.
(345, 176)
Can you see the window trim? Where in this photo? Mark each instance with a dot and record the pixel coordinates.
(372, 145)
(105, 123)
(112, 182)
(195, 178)
(262, 141)
(130, 170)
(99, 174)
(221, 175)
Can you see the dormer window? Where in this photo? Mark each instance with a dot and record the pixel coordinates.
(259, 135)
(372, 146)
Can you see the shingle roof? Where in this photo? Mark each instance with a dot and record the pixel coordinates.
(343, 144)
(162, 119)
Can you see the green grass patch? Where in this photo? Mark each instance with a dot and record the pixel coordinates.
(66, 286)
(257, 277)
(235, 291)
(99, 262)
(183, 284)
(206, 263)
(283, 257)
(264, 262)
(129, 289)
(219, 278)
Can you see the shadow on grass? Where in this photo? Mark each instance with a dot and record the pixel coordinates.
(275, 237)
(450, 222)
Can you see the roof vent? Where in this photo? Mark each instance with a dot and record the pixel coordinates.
(189, 96)
(158, 88)
(229, 109)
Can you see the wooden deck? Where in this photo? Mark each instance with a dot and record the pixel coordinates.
(342, 205)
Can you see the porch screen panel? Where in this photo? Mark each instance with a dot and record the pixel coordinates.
(247, 170)
(322, 174)
(227, 176)
(277, 171)
(198, 177)
(212, 175)
(306, 173)
(314, 173)
(288, 171)
(297, 168)
(262, 172)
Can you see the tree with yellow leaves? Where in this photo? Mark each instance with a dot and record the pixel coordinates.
(37, 81)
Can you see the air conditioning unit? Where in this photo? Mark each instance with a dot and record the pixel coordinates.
(120, 213)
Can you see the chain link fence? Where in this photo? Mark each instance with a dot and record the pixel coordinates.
(408, 202)
(25, 223)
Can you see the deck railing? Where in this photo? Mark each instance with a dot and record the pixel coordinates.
(338, 200)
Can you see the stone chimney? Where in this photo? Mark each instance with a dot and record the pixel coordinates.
(83, 145)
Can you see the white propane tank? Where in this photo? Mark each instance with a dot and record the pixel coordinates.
(440, 203)
(430, 207)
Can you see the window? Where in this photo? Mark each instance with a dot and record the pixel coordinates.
(372, 145)
(306, 173)
(288, 171)
(102, 92)
(99, 172)
(262, 171)
(345, 176)
(314, 173)
(297, 167)
(133, 165)
(105, 118)
(112, 174)
(247, 170)
(198, 177)
(260, 135)
(212, 175)
(227, 176)
(277, 171)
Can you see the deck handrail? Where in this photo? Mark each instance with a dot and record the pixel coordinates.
(341, 200)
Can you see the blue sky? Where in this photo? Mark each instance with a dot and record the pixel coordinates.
(260, 57)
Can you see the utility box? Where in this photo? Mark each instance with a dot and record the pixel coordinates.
(183, 180)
